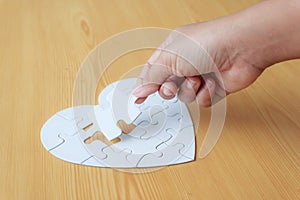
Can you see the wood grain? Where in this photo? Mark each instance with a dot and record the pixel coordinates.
(42, 46)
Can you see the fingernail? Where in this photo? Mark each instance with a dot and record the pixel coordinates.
(167, 92)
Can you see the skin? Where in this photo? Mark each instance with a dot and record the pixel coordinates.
(241, 46)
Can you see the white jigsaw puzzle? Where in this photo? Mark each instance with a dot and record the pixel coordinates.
(164, 133)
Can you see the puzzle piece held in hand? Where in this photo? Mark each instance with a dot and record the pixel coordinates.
(111, 110)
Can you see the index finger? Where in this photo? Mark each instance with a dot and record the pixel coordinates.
(153, 75)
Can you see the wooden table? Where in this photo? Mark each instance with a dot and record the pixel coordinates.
(42, 46)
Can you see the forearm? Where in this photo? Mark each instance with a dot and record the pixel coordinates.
(268, 32)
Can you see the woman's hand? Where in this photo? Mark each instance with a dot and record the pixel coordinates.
(207, 61)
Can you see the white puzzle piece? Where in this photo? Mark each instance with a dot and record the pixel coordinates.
(110, 115)
(164, 133)
(169, 156)
(71, 149)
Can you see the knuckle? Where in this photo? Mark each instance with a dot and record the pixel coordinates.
(177, 67)
(178, 71)
(185, 96)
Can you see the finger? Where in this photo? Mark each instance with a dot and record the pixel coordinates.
(151, 78)
(219, 92)
(168, 90)
(188, 89)
(149, 81)
(140, 100)
(148, 67)
(177, 80)
(206, 93)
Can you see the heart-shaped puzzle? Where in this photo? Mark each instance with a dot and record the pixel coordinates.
(161, 132)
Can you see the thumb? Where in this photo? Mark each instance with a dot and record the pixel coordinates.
(179, 55)
(155, 72)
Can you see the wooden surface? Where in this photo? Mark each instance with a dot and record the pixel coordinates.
(42, 46)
